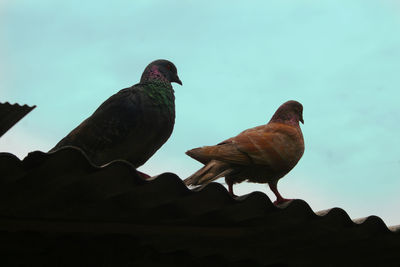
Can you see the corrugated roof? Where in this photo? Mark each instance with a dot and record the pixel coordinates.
(11, 114)
(62, 197)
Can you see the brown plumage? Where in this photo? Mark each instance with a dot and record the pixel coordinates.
(262, 154)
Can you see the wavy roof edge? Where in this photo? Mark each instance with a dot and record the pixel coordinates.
(17, 104)
(10, 114)
(12, 165)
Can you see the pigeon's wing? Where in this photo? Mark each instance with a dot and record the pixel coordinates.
(272, 145)
(226, 152)
(277, 145)
(118, 116)
(207, 153)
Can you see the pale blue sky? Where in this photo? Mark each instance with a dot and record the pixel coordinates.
(238, 60)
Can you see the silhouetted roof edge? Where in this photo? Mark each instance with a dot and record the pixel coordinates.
(11, 114)
(297, 206)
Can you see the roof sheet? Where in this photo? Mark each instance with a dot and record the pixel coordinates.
(11, 114)
(62, 196)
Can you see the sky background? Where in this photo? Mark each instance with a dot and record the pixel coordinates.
(238, 61)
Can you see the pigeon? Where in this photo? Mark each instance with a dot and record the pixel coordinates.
(132, 124)
(262, 154)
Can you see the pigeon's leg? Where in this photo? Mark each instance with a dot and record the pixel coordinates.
(143, 175)
(279, 199)
(230, 187)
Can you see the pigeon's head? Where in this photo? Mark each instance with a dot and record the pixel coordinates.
(290, 112)
(161, 69)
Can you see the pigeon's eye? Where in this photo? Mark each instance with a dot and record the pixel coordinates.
(169, 67)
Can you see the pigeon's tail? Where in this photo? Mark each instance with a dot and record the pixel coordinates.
(202, 154)
(210, 172)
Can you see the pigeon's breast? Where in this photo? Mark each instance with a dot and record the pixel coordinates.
(159, 109)
(158, 118)
(153, 122)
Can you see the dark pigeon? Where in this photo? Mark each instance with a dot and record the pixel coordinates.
(132, 124)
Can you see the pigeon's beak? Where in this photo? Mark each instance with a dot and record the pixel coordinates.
(177, 80)
(301, 120)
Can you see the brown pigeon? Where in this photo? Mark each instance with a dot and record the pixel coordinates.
(133, 123)
(262, 154)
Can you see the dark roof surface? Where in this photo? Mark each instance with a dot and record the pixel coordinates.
(60, 208)
(11, 114)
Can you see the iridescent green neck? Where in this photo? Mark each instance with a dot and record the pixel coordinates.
(161, 93)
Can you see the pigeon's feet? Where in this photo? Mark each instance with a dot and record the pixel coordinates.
(279, 199)
(230, 189)
(282, 200)
(233, 195)
(143, 175)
